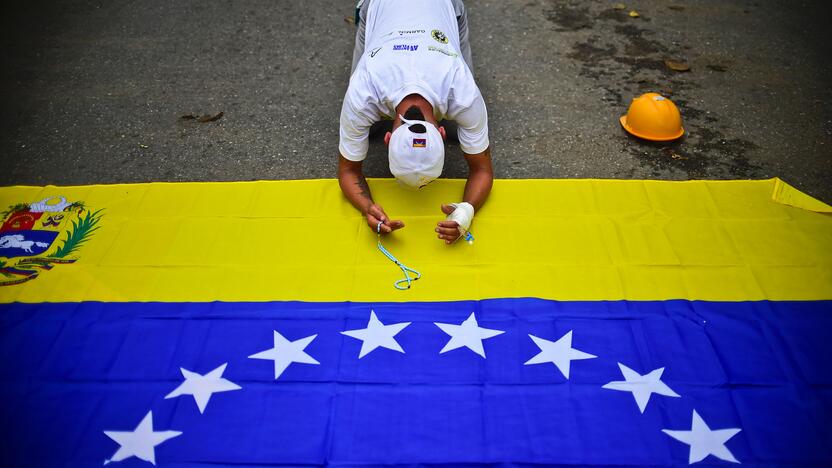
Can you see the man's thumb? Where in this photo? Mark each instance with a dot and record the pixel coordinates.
(448, 209)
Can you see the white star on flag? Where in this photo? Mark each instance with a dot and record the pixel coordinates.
(560, 353)
(468, 334)
(642, 386)
(139, 443)
(703, 441)
(377, 334)
(203, 386)
(286, 352)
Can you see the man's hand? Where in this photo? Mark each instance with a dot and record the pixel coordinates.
(447, 230)
(357, 191)
(375, 214)
(477, 188)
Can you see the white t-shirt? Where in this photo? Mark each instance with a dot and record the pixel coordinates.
(411, 47)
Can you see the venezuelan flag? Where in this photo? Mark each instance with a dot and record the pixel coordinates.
(639, 323)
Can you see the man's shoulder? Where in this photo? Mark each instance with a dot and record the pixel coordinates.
(464, 89)
(360, 90)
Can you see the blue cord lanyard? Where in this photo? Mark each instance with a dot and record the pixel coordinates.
(406, 270)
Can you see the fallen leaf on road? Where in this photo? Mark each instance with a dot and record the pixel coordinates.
(349, 19)
(188, 117)
(673, 154)
(718, 68)
(676, 7)
(142, 146)
(634, 14)
(677, 66)
(210, 118)
(619, 6)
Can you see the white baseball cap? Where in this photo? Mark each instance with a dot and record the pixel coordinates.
(416, 159)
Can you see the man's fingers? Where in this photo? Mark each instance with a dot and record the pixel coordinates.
(448, 234)
(447, 239)
(448, 224)
(448, 231)
(387, 226)
(377, 212)
(373, 221)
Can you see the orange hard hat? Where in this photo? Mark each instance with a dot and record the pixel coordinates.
(653, 117)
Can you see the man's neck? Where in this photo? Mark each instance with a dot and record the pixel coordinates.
(414, 100)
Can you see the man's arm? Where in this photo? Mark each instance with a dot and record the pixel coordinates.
(355, 188)
(480, 178)
(477, 189)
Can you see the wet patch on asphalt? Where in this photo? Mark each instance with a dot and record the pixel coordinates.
(700, 155)
(623, 57)
(569, 16)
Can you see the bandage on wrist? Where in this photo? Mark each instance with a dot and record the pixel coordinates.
(463, 214)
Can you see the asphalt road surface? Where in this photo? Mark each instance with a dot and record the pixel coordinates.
(95, 91)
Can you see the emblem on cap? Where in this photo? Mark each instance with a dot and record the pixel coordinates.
(420, 142)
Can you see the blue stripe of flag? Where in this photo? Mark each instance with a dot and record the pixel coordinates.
(71, 371)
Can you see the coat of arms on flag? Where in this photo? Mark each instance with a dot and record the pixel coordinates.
(35, 236)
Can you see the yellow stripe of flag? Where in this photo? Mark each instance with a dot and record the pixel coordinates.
(555, 239)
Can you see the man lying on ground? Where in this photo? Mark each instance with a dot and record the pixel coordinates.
(416, 70)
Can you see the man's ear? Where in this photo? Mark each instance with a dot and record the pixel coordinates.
(387, 138)
(442, 132)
